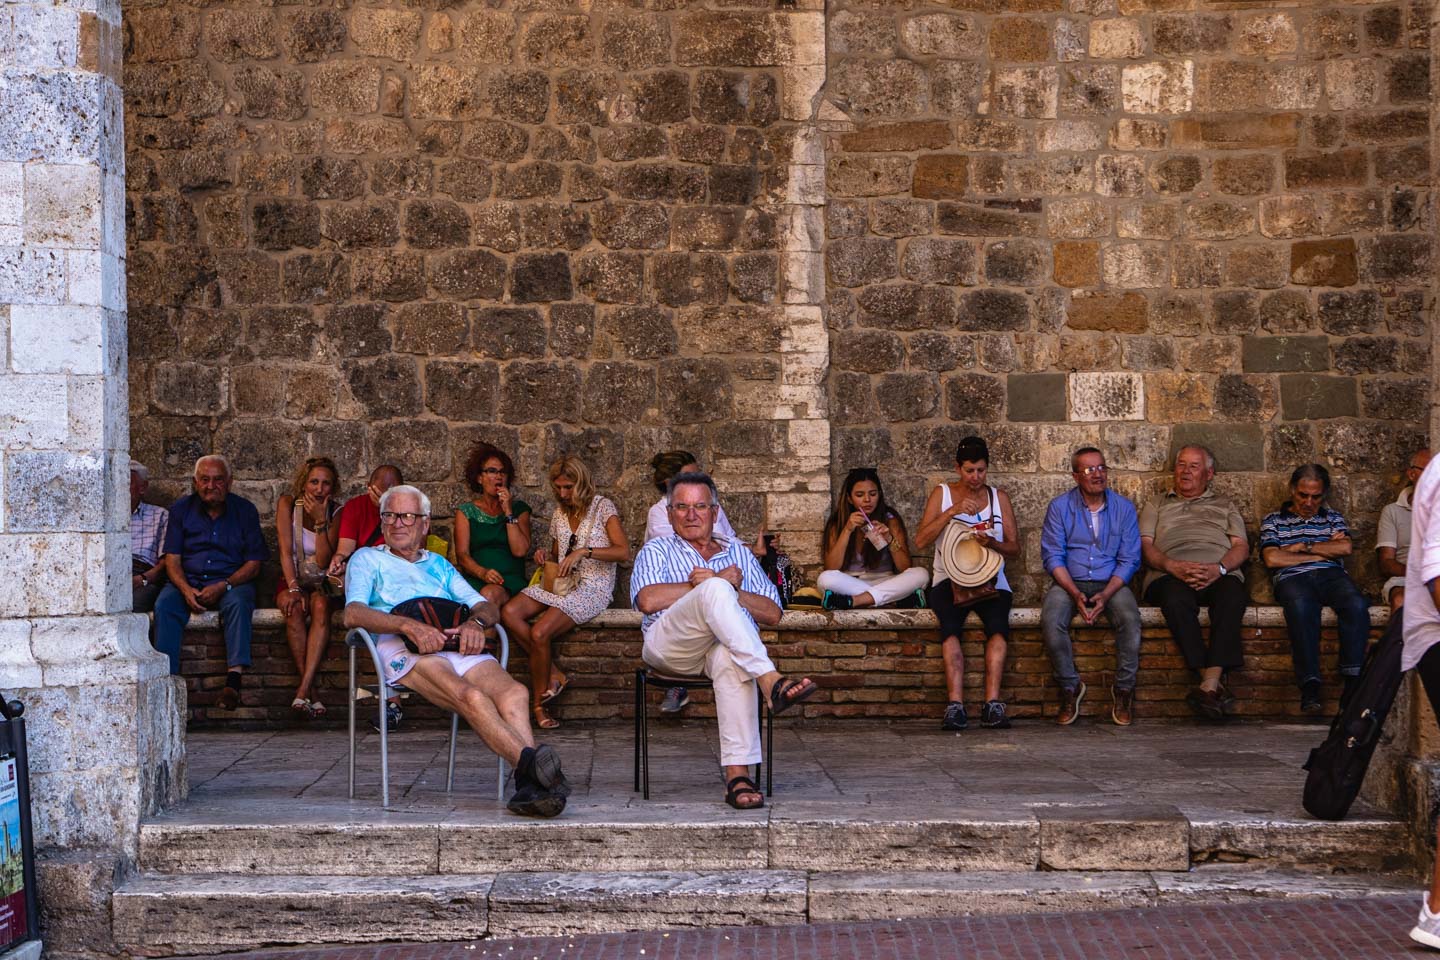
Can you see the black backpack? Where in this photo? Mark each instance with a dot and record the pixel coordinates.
(1337, 767)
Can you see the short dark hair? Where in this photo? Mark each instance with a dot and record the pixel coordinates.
(972, 450)
(691, 479)
(1311, 471)
(667, 464)
(474, 463)
(1075, 457)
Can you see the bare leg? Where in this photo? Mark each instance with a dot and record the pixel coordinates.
(1434, 901)
(1210, 678)
(315, 641)
(1397, 599)
(296, 638)
(994, 665)
(550, 625)
(954, 659)
(496, 594)
(491, 702)
(516, 615)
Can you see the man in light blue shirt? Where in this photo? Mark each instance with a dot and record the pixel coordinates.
(1090, 543)
(702, 596)
(467, 681)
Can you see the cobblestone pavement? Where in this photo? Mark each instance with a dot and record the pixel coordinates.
(1314, 930)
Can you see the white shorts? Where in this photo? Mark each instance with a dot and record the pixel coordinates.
(397, 660)
(1390, 584)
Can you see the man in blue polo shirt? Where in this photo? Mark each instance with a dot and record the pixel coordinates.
(1090, 544)
(213, 552)
(1302, 544)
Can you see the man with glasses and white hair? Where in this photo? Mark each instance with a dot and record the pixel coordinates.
(1090, 543)
(1194, 543)
(468, 681)
(702, 596)
(213, 551)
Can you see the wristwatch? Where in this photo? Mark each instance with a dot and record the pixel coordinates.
(1221, 565)
(511, 518)
(144, 582)
(229, 586)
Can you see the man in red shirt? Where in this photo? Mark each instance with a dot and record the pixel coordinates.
(360, 518)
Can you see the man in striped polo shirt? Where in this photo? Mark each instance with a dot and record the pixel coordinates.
(702, 596)
(1303, 544)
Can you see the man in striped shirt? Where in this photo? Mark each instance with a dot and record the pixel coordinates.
(702, 596)
(1302, 544)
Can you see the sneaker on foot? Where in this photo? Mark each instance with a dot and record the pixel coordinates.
(675, 700)
(229, 698)
(546, 771)
(837, 601)
(1122, 708)
(993, 715)
(915, 601)
(1427, 928)
(532, 800)
(1070, 704)
(1310, 703)
(393, 716)
(955, 718)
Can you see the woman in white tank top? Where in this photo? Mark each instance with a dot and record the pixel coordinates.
(987, 511)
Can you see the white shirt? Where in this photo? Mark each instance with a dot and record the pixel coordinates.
(1394, 527)
(1422, 620)
(657, 523)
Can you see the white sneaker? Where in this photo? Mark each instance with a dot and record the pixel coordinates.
(1427, 928)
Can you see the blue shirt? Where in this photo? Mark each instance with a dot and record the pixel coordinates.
(671, 560)
(1285, 528)
(382, 580)
(212, 548)
(1067, 539)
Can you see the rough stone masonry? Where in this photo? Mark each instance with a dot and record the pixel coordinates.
(382, 231)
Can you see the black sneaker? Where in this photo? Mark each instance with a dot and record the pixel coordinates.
(532, 800)
(955, 718)
(393, 716)
(545, 769)
(1310, 703)
(914, 601)
(993, 715)
(837, 601)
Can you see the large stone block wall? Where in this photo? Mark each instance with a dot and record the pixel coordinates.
(1134, 224)
(385, 231)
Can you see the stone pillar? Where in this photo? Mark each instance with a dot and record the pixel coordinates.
(105, 719)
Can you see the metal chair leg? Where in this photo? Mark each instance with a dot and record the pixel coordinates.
(769, 754)
(645, 742)
(384, 748)
(352, 723)
(635, 736)
(450, 769)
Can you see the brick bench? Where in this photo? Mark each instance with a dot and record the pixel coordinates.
(869, 663)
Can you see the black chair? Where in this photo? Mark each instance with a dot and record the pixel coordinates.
(650, 677)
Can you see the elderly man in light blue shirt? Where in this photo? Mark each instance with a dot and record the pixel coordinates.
(467, 681)
(1090, 544)
(702, 596)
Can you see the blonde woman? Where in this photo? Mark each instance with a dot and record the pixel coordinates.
(307, 538)
(586, 542)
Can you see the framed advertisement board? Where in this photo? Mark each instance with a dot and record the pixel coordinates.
(13, 912)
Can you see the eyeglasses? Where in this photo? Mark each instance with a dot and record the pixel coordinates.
(691, 507)
(493, 472)
(1091, 471)
(401, 519)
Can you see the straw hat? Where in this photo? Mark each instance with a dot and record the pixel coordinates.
(968, 562)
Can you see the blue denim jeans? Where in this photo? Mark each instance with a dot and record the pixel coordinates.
(1303, 596)
(236, 607)
(1124, 615)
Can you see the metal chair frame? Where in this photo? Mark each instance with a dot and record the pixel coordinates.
(648, 677)
(383, 691)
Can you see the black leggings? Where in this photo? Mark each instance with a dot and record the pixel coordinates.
(1429, 670)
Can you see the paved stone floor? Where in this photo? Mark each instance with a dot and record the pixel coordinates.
(1370, 929)
(1246, 769)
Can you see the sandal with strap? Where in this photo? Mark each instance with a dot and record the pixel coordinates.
(554, 690)
(302, 708)
(739, 787)
(543, 720)
(317, 709)
(786, 693)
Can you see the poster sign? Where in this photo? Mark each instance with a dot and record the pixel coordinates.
(12, 858)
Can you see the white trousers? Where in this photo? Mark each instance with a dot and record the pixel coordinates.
(884, 588)
(708, 632)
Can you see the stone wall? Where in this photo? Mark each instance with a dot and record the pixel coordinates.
(1132, 224)
(385, 232)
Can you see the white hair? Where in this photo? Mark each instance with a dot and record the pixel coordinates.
(406, 488)
(212, 458)
(138, 468)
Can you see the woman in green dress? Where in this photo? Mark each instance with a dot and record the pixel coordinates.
(492, 531)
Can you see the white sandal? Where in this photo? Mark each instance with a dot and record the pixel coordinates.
(303, 708)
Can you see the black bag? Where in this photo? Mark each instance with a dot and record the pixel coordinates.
(780, 570)
(441, 613)
(1337, 767)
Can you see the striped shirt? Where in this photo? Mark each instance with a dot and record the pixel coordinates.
(147, 532)
(1285, 528)
(672, 560)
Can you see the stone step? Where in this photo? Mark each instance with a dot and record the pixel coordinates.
(168, 915)
(788, 835)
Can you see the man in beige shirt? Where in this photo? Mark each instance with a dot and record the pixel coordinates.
(1194, 544)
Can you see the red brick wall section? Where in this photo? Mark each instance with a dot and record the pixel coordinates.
(867, 673)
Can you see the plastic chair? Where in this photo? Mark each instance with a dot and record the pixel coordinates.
(383, 691)
(650, 677)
